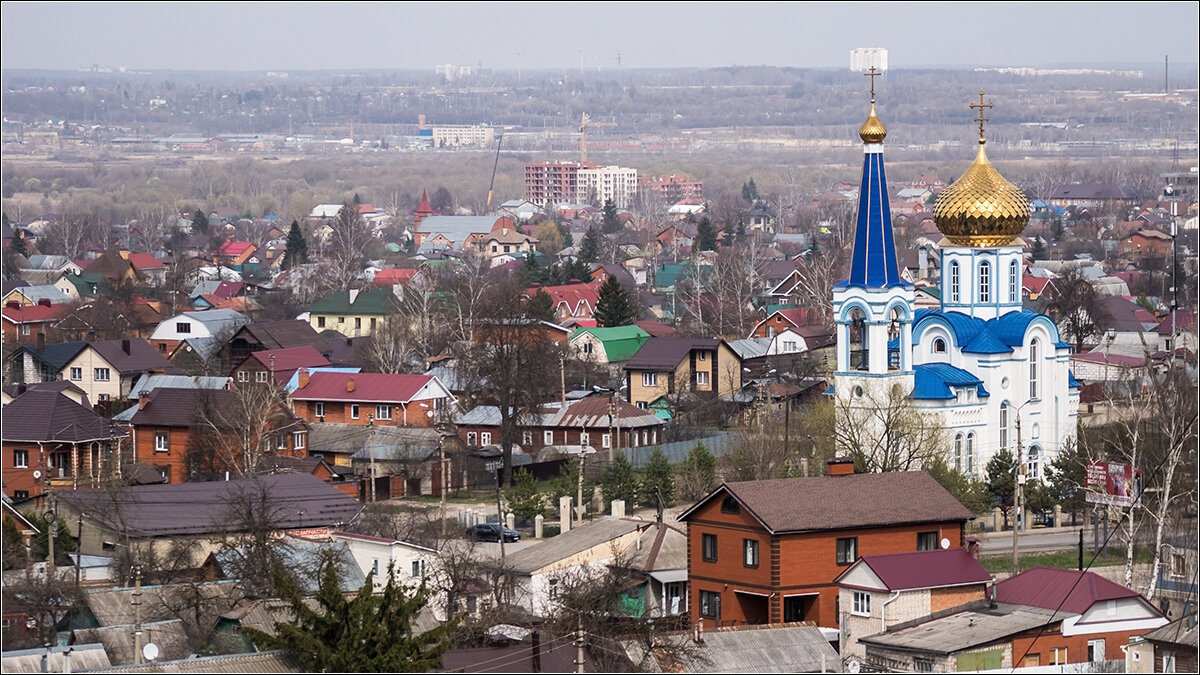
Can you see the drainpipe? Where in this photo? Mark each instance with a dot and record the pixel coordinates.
(883, 611)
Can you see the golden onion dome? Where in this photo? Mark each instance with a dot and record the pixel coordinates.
(872, 131)
(981, 208)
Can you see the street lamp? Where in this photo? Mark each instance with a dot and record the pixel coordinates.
(1018, 484)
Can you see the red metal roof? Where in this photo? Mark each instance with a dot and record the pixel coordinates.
(1051, 588)
(145, 261)
(927, 569)
(384, 387)
(287, 361)
(35, 313)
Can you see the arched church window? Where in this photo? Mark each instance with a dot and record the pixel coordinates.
(1033, 463)
(1012, 281)
(958, 453)
(939, 346)
(985, 281)
(969, 454)
(1035, 348)
(954, 282)
(1004, 425)
(859, 340)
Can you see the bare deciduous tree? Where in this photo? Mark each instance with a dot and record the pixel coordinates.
(885, 432)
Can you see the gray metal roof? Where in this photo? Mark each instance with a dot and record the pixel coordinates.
(83, 657)
(149, 382)
(277, 661)
(169, 636)
(750, 348)
(779, 648)
(389, 443)
(575, 541)
(964, 630)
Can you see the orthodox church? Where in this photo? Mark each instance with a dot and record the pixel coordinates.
(993, 374)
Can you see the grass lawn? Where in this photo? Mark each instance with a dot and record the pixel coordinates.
(1062, 559)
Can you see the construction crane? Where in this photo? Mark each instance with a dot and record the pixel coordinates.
(499, 140)
(584, 123)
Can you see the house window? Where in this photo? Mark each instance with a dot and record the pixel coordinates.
(553, 589)
(587, 348)
(1034, 348)
(471, 438)
(383, 412)
(584, 438)
(100, 374)
(418, 568)
(76, 374)
(320, 322)
(547, 438)
(1058, 656)
(298, 440)
(162, 441)
(709, 545)
(1178, 564)
(649, 379)
(374, 565)
(20, 459)
(281, 441)
(703, 356)
(730, 505)
(341, 319)
(353, 411)
(862, 604)
(260, 377)
(357, 323)
(1004, 425)
(750, 552)
(183, 327)
(485, 438)
(927, 541)
(243, 376)
(789, 346)
(702, 379)
(527, 438)
(319, 409)
(954, 282)
(1032, 463)
(710, 604)
(20, 494)
(939, 346)
(1168, 661)
(847, 550)
(1095, 651)
(1012, 281)
(921, 665)
(605, 441)
(985, 281)
(969, 454)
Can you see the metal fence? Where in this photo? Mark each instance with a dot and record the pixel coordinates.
(718, 443)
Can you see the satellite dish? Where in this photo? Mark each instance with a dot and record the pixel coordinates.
(150, 651)
(945, 543)
(37, 473)
(852, 665)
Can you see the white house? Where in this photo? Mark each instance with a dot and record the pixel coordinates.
(413, 564)
(190, 325)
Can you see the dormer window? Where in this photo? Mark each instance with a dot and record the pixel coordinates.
(730, 505)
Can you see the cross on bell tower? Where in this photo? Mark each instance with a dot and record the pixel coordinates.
(981, 106)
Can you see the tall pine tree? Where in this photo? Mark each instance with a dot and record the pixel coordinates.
(589, 249)
(614, 308)
(199, 222)
(611, 223)
(296, 252)
(706, 236)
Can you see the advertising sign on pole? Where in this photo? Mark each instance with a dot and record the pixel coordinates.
(1110, 483)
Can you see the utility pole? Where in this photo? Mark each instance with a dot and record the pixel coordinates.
(442, 469)
(1018, 481)
(136, 601)
(51, 530)
(611, 441)
(371, 445)
(579, 646)
(79, 561)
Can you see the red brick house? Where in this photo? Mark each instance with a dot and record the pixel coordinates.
(383, 399)
(276, 366)
(768, 551)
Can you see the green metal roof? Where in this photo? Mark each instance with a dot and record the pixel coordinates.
(373, 301)
(620, 342)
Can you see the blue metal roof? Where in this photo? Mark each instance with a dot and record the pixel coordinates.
(933, 381)
(1071, 381)
(1010, 328)
(986, 343)
(874, 261)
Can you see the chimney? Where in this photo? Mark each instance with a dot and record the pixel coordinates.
(973, 547)
(840, 466)
(125, 346)
(302, 378)
(41, 340)
(350, 384)
(143, 399)
(43, 302)
(353, 295)
(923, 261)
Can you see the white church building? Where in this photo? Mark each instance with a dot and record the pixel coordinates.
(981, 365)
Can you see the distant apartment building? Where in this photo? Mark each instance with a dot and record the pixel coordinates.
(548, 183)
(672, 188)
(457, 136)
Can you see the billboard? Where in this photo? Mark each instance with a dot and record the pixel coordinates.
(1110, 483)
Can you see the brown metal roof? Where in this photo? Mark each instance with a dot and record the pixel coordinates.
(178, 407)
(843, 502)
(49, 416)
(662, 353)
(132, 356)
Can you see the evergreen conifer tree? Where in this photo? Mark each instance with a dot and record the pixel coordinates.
(659, 481)
(296, 252)
(614, 308)
(199, 222)
(706, 236)
(589, 249)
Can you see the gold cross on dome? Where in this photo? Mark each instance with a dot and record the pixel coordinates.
(981, 106)
(871, 73)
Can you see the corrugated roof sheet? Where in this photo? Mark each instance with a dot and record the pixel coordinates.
(779, 648)
(372, 387)
(926, 569)
(40, 416)
(577, 540)
(661, 353)
(964, 630)
(1066, 590)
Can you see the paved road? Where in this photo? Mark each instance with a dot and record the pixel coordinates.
(1059, 540)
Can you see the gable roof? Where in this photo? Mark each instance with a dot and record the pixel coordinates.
(663, 353)
(170, 407)
(55, 355)
(923, 569)
(377, 300)
(43, 416)
(1060, 589)
(570, 543)
(151, 381)
(620, 342)
(382, 387)
(861, 500)
(282, 334)
(131, 356)
(204, 507)
(287, 361)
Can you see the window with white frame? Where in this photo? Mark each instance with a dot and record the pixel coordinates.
(847, 550)
(552, 590)
(710, 604)
(954, 282)
(969, 454)
(1004, 425)
(1095, 650)
(861, 604)
(471, 438)
(485, 438)
(1058, 656)
(353, 411)
(750, 552)
(183, 327)
(703, 356)
(20, 459)
(383, 412)
(939, 346)
(298, 440)
(76, 374)
(605, 441)
(418, 568)
(162, 441)
(789, 346)
(702, 379)
(1033, 464)
(642, 405)
(1035, 348)
(101, 374)
(527, 438)
(243, 376)
(260, 376)
(281, 441)
(649, 379)
(1012, 281)
(319, 409)
(585, 438)
(985, 281)
(547, 438)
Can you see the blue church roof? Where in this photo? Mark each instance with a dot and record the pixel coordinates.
(933, 381)
(994, 336)
(1071, 381)
(873, 264)
(1010, 328)
(986, 343)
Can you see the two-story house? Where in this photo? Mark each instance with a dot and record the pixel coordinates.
(413, 564)
(879, 591)
(768, 551)
(218, 324)
(107, 369)
(665, 369)
(383, 399)
(353, 313)
(275, 367)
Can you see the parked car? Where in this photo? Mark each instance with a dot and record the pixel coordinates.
(491, 532)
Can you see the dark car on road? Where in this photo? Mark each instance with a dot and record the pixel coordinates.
(491, 532)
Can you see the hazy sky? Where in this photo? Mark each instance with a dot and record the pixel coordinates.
(552, 35)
